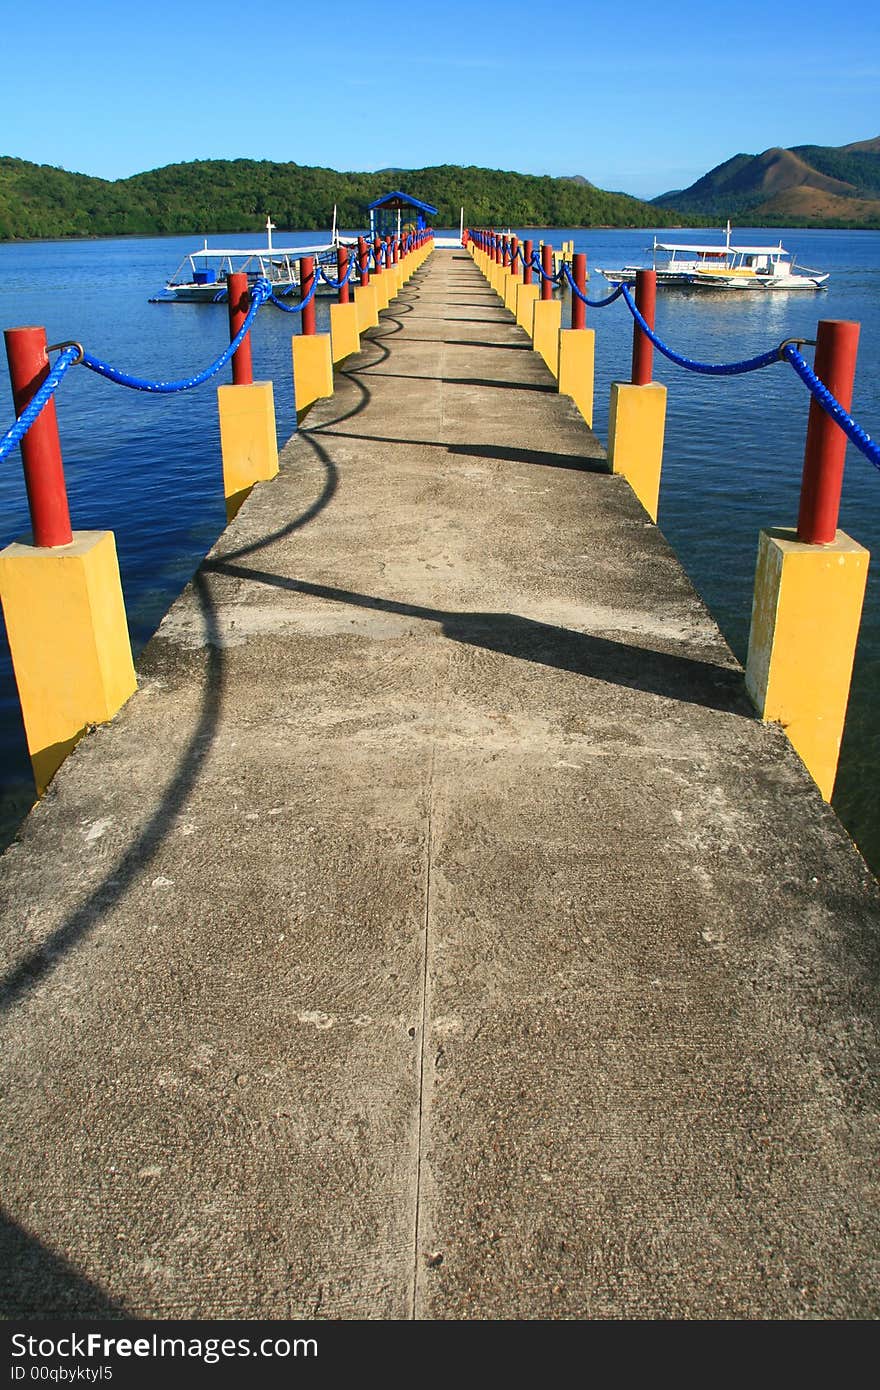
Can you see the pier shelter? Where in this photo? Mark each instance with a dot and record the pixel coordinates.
(397, 213)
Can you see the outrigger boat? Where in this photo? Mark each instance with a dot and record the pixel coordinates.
(201, 276)
(758, 268)
(727, 267)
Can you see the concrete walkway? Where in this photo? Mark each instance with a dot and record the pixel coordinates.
(436, 933)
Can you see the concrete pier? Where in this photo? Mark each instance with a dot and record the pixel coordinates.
(437, 933)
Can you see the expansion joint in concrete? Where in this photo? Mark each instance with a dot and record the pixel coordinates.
(423, 1035)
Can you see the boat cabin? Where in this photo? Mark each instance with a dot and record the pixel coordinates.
(675, 258)
(762, 260)
(397, 214)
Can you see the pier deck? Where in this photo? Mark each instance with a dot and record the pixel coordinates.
(436, 933)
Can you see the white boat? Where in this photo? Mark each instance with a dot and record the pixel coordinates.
(201, 276)
(721, 266)
(758, 268)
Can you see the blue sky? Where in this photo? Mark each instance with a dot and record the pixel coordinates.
(642, 97)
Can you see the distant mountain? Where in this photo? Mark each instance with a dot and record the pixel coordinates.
(819, 184)
(219, 195)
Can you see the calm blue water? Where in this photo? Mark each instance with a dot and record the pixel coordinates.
(148, 467)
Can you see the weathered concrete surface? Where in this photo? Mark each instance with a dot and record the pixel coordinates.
(436, 933)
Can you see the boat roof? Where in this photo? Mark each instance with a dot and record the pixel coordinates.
(397, 199)
(719, 248)
(261, 250)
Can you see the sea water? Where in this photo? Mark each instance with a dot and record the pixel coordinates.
(147, 467)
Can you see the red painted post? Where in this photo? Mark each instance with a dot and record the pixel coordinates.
(837, 342)
(395, 251)
(377, 257)
(528, 253)
(514, 244)
(306, 281)
(238, 297)
(341, 272)
(579, 276)
(505, 252)
(364, 260)
(547, 267)
(41, 448)
(643, 348)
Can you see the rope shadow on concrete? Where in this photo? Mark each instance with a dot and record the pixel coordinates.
(39, 962)
(545, 388)
(604, 659)
(470, 343)
(540, 458)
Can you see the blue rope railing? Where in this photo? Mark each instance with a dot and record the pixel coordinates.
(17, 431)
(260, 292)
(749, 364)
(591, 303)
(337, 284)
(296, 308)
(860, 437)
(536, 265)
(788, 353)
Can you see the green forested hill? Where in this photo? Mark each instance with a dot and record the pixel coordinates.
(37, 200)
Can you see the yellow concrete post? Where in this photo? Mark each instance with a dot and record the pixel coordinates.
(380, 287)
(546, 322)
(525, 300)
(511, 287)
(248, 439)
(636, 426)
(344, 335)
(805, 624)
(497, 280)
(312, 370)
(577, 362)
(68, 635)
(365, 299)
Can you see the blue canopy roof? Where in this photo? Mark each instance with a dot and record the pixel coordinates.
(402, 199)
